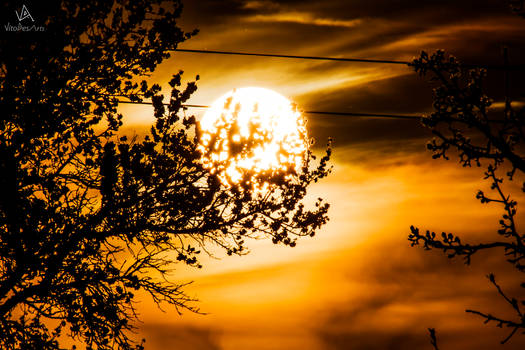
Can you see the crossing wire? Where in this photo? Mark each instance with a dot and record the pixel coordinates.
(345, 114)
(343, 59)
(340, 59)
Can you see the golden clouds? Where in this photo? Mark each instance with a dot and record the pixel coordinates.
(304, 18)
(358, 276)
(357, 284)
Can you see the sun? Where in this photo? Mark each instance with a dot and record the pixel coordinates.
(252, 132)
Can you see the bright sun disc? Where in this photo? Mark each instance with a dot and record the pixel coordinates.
(252, 130)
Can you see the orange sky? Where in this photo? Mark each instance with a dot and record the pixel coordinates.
(357, 284)
(357, 280)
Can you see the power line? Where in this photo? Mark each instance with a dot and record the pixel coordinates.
(343, 59)
(365, 115)
(345, 114)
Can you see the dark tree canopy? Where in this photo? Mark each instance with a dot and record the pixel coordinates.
(88, 218)
(486, 137)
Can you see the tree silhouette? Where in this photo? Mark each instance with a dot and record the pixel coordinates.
(87, 217)
(484, 137)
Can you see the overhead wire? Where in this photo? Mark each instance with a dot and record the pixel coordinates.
(341, 59)
(325, 58)
(345, 114)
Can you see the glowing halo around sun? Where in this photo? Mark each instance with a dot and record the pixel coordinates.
(255, 131)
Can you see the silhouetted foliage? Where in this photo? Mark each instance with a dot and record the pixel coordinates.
(484, 137)
(433, 339)
(89, 218)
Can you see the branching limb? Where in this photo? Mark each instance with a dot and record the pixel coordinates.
(515, 304)
(484, 137)
(433, 339)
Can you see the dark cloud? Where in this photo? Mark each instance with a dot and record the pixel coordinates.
(162, 336)
(403, 94)
(370, 340)
(439, 10)
(467, 28)
(385, 135)
(474, 31)
(403, 291)
(385, 96)
(206, 13)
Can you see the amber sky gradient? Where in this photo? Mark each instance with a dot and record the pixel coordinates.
(357, 284)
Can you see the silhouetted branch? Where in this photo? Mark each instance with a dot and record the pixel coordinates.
(451, 245)
(433, 339)
(520, 324)
(88, 219)
(461, 121)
